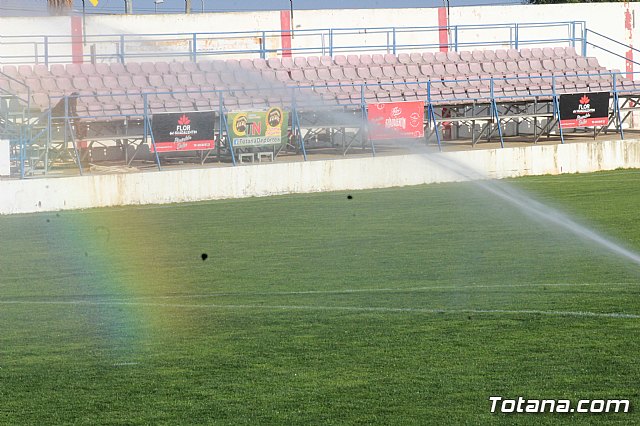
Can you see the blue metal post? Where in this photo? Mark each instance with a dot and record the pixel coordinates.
(331, 42)
(432, 115)
(148, 131)
(584, 40)
(226, 126)
(494, 106)
(263, 46)
(394, 40)
(455, 37)
(556, 110)
(194, 47)
(121, 53)
(73, 138)
(616, 105)
(517, 37)
(295, 124)
(46, 50)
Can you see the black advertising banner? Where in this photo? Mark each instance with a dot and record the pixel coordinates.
(183, 131)
(584, 110)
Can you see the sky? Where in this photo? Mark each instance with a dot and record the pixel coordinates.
(38, 7)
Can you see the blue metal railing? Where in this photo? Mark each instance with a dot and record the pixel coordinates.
(328, 41)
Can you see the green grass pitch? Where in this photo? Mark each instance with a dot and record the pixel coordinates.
(397, 306)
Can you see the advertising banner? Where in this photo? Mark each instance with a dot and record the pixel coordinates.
(183, 131)
(584, 110)
(395, 120)
(258, 128)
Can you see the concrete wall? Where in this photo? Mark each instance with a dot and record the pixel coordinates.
(607, 18)
(172, 186)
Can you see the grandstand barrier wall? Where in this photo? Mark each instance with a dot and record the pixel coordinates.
(189, 185)
(606, 18)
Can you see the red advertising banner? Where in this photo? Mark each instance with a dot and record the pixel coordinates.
(584, 110)
(183, 131)
(396, 120)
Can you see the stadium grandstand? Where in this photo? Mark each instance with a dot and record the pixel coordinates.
(100, 108)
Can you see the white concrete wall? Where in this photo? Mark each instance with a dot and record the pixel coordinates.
(607, 18)
(172, 186)
(5, 163)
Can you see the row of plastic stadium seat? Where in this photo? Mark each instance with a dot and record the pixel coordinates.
(327, 78)
(580, 68)
(287, 63)
(133, 104)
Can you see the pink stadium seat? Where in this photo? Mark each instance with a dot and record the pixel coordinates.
(525, 53)
(283, 76)
(513, 55)
(337, 73)
(190, 66)
(246, 64)
(25, 71)
(478, 55)
(466, 56)
(353, 60)
(489, 55)
(170, 80)
(377, 59)
(110, 82)
(297, 75)
(414, 71)
(502, 55)
(300, 62)
(324, 74)
(33, 83)
(10, 70)
(536, 53)
(58, 70)
(39, 69)
(326, 61)
(389, 71)
(427, 70)
(512, 67)
(416, 58)
(404, 58)
(133, 68)
(441, 57)
(103, 69)
(450, 68)
(313, 62)
(287, 62)
(438, 69)
(376, 72)
(548, 53)
(139, 81)
(536, 65)
(593, 63)
(364, 73)
(176, 67)
(475, 68)
(73, 70)
(500, 67)
(453, 56)
(115, 68)
(340, 60)
(366, 60)
(311, 74)
(428, 58)
(274, 63)
(570, 51)
(260, 64)
(350, 73)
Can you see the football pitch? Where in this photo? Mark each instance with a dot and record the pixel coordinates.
(398, 306)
